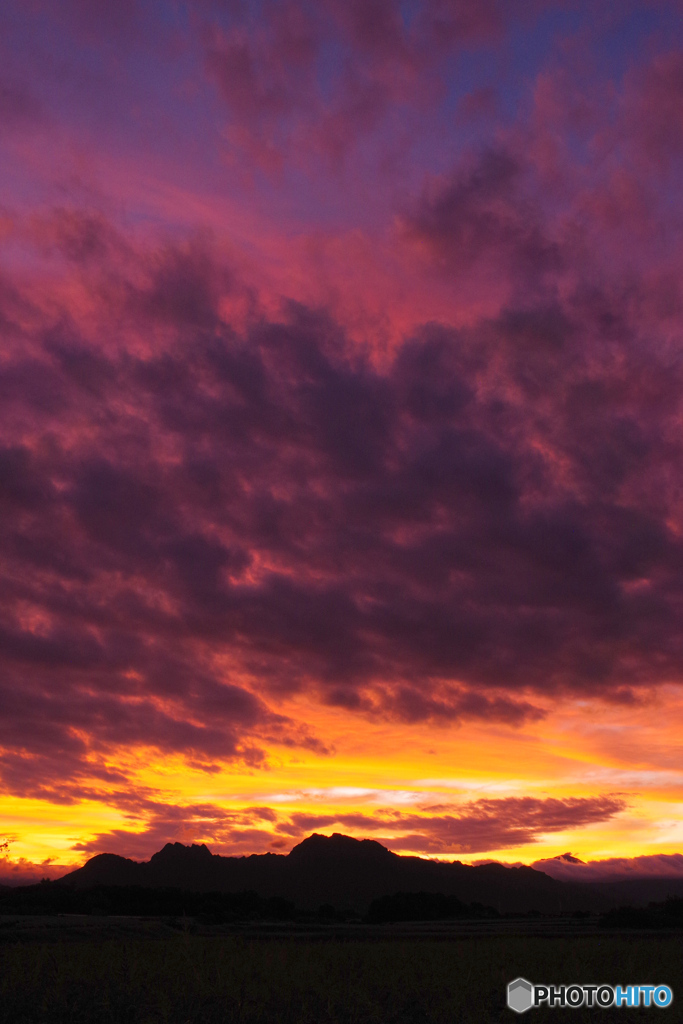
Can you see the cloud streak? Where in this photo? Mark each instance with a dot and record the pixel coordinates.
(477, 827)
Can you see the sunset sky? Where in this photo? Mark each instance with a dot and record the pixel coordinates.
(341, 427)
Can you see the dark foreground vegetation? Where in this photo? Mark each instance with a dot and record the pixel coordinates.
(48, 898)
(426, 906)
(668, 914)
(221, 908)
(191, 979)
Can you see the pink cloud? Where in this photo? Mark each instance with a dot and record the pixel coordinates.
(25, 872)
(656, 105)
(569, 869)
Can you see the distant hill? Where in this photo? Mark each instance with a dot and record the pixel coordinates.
(340, 871)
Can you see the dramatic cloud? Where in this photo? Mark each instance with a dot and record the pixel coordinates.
(436, 538)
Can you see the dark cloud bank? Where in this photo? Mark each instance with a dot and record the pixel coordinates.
(192, 532)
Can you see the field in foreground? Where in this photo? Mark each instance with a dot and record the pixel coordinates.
(190, 979)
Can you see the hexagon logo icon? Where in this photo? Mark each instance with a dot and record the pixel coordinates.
(520, 995)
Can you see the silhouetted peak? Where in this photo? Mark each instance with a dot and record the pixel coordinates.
(105, 858)
(176, 853)
(339, 847)
(103, 862)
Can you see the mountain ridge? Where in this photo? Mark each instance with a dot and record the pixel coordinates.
(337, 870)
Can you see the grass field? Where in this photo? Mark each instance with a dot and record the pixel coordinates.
(202, 980)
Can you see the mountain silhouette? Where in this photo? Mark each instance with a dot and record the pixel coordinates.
(340, 871)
